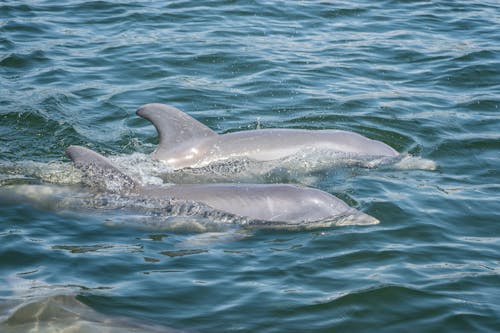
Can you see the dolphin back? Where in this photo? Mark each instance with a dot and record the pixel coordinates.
(174, 127)
(100, 172)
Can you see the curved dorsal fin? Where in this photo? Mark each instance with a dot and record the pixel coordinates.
(98, 171)
(173, 125)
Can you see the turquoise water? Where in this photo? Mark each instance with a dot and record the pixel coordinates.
(420, 76)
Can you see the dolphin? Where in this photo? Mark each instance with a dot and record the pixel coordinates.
(186, 143)
(34, 306)
(260, 205)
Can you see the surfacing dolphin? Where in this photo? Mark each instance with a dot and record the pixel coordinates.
(186, 143)
(260, 206)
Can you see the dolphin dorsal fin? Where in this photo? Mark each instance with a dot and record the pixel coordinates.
(173, 125)
(100, 172)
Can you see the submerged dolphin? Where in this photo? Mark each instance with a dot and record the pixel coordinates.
(185, 142)
(264, 206)
(34, 306)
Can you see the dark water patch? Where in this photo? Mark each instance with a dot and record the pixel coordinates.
(17, 10)
(356, 310)
(473, 76)
(478, 56)
(336, 13)
(22, 29)
(24, 61)
(474, 145)
(480, 104)
(34, 124)
(26, 257)
(6, 45)
(51, 76)
(180, 253)
(98, 248)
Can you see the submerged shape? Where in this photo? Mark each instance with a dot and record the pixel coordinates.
(184, 142)
(262, 206)
(36, 307)
(64, 313)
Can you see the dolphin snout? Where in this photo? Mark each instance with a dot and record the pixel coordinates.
(359, 218)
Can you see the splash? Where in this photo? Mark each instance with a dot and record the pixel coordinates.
(303, 167)
(56, 172)
(142, 167)
(409, 162)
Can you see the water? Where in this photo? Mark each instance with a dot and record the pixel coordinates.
(420, 76)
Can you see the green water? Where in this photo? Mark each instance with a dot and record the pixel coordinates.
(420, 76)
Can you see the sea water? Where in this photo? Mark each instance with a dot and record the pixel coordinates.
(421, 76)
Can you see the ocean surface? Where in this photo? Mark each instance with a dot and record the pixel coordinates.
(421, 76)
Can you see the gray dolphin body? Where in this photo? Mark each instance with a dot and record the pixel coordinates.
(30, 305)
(185, 142)
(270, 205)
(65, 313)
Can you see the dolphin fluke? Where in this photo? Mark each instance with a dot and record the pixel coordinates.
(100, 172)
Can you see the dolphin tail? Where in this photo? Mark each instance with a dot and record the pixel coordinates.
(173, 125)
(100, 172)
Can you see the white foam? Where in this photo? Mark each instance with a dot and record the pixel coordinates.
(55, 172)
(210, 238)
(409, 162)
(141, 167)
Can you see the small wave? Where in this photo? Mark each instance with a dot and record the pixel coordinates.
(24, 61)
